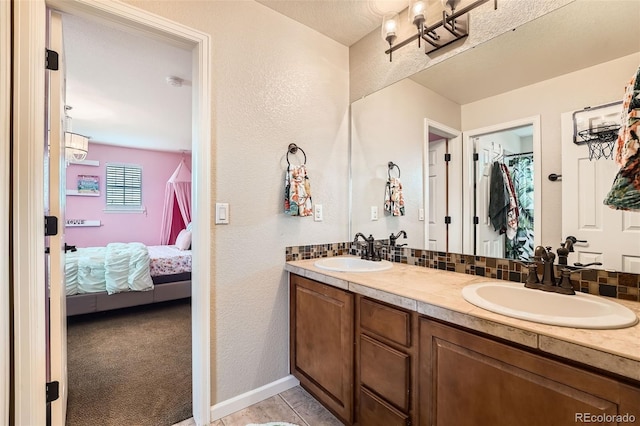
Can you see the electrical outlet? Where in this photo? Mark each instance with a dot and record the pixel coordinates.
(374, 212)
(317, 212)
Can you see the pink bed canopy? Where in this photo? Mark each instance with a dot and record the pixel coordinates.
(177, 204)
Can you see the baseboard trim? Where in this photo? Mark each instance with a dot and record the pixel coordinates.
(246, 399)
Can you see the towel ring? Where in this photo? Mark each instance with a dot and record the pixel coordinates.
(293, 149)
(391, 165)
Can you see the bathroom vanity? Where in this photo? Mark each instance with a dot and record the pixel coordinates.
(401, 347)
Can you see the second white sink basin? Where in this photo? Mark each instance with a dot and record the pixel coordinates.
(580, 310)
(352, 264)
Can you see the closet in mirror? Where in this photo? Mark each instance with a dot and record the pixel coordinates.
(500, 108)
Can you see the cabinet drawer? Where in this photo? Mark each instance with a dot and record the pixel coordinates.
(387, 322)
(376, 412)
(386, 371)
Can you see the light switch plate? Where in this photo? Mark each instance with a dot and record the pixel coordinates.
(317, 212)
(420, 214)
(222, 213)
(374, 212)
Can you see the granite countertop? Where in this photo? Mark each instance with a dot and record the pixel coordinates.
(437, 294)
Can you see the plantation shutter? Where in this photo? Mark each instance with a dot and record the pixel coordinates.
(124, 185)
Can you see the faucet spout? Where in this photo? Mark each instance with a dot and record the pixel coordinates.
(393, 238)
(369, 253)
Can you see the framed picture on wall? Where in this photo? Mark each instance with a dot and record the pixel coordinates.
(88, 184)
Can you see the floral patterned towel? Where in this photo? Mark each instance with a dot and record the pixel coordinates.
(297, 192)
(393, 198)
(625, 192)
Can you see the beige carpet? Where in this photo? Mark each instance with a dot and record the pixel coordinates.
(130, 367)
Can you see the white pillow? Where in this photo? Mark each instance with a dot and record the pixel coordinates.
(183, 241)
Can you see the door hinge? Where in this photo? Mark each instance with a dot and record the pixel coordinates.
(53, 391)
(447, 157)
(447, 219)
(476, 156)
(50, 226)
(51, 60)
(476, 220)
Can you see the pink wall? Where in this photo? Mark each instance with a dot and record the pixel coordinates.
(157, 168)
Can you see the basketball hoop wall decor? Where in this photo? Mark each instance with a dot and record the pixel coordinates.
(597, 127)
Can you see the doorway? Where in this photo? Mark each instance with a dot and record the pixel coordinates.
(499, 218)
(28, 227)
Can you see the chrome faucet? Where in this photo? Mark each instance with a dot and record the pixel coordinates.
(393, 238)
(370, 252)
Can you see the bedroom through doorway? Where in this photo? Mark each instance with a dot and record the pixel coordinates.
(128, 219)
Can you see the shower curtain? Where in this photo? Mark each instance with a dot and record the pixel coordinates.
(521, 246)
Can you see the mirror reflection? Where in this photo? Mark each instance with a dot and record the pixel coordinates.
(503, 101)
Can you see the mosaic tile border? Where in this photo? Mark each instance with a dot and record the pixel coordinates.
(618, 285)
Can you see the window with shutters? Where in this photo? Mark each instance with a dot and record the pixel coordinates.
(124, 187)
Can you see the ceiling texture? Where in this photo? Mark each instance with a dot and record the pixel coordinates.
(117, 80)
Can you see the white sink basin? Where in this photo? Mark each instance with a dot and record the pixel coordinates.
(352, 264)
(580, 310)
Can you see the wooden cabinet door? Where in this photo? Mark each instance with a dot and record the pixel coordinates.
(322, 340)
(466, 379)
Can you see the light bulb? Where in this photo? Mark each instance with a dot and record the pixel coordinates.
(451, 4)
(389, 27)
(417, 12)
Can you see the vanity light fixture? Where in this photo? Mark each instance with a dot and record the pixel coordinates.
(455, 24)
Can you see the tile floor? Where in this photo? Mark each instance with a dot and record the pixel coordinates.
(292, 406)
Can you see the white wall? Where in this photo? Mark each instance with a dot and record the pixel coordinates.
(275, 82)
(597, 85)
(389, 126)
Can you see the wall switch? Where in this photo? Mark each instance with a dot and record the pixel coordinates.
(374, 212)
(222, 213)
(420, 214)
(317, 212)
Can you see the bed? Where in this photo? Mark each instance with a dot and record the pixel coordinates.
(122, 275)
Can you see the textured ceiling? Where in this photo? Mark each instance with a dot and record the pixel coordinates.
(345, 21)
(579, 35)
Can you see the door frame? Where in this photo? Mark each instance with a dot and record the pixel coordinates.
(5, 141)
(454, 177)
(468, 190)
(28, 202)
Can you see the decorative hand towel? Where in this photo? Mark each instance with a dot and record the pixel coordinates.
(393, 199)
(625, 191)
(297, 192)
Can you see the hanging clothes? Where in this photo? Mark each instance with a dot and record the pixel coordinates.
(393, 198)
(498, 198)
(625, 191)
(511, 227)
(297, 192)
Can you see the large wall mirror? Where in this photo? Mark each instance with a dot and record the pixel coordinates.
(505, 103)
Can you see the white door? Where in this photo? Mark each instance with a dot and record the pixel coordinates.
(437, 207)
(489, 242)
(54, 270)
(613, 236)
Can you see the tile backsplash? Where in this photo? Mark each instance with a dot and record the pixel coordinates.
(619, 285)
